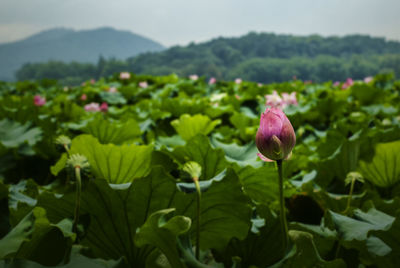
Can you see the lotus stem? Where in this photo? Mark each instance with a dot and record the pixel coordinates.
(77, 199)
(196, 182)
(284, 227)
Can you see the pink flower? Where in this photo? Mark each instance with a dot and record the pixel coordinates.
(39, 100)
(336, 84)
(112, 90)
(289, 99)
(143, 84)
(92, 107)
(349, 82)
(237, 96)
(368, 79)
(83, 97)
(92, 81)
(273, 100)
(259, 85)
(193, 77)
(104, 107)
(212, 81)
(238, 81)
(275, 137)
(124, 75)
(66, 89)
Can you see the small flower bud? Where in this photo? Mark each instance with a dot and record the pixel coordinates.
(193, 168)
(78, 161)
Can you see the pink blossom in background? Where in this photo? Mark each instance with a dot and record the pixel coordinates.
(238, 81)
(92, 107)
(104, 107)
(112, 90)
(92, 81)
(39, 100)
(83, 97)
(194, 77)
(259, 85)
(273, 100)
(349, 82)
(212, 81)
(65, 89)
(237, 96)
(368, 79)
(124, 75)
(336, 84)
(289, 99)
(143, 84)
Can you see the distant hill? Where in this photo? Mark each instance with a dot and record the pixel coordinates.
(257, 56)
(260, 57)
(69, 45)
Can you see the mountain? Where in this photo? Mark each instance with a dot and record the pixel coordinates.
(69, 45)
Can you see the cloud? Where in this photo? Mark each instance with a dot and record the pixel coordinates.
(182, 21)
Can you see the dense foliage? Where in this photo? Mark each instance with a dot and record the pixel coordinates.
(138, 200)
(262, 58)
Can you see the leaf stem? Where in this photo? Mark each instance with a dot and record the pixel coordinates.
(77, 199)
(196, 182)
(350, 195)
(282, 215)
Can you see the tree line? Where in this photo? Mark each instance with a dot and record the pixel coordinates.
(257, 57)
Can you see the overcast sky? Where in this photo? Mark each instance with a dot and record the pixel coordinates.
(172, 22)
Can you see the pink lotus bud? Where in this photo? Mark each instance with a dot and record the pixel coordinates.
(275, 137)
(212, 81)
(143, 84)
(349, 82)
(39, 100)
(336, 84)
(83, 97)
(92, 107)
(104, 107)
(194, 77)
(124, 75)
(92, 81)
(238, 81)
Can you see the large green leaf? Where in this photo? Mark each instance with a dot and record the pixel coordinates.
(260, 184)
(199, 150)
(35, 238)
(242, 155)
(116, 213)
(116, 164)
(305, 253)
(189, 126)
(384, 169)
(162, 233)
(14, 134)
(354, 232)
(112, 132)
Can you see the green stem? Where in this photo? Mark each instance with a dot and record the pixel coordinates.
(196, 181)
(78, 199)
(350, 195)
(284, 227)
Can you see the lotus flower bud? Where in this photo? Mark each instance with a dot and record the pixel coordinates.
(275, 137)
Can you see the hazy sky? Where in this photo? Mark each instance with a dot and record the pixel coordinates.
(172, 22)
